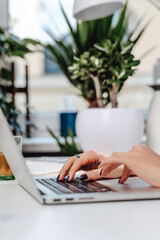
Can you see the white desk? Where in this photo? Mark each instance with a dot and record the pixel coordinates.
(23, 218)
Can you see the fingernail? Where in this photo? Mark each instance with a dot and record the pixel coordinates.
(98, 163)
(101, 172)
(67, 179)
(83, 177)
(58, 177)
(120, 181)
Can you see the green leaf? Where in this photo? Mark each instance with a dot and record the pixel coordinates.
(31, 41)
(60, 45)
(141, 32)
(68, 147)
(59, 58)
(114, 71)
(5, 74)
(119, 28)
(134, 63)
(74, 36)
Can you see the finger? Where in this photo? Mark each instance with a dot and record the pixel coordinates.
(65, 169)
(91, 175)
(77, 165)
(125, 175)
(115, 158)
(108, 168)
(102, 162)
(89, 157)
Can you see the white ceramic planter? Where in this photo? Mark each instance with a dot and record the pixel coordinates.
(109, 130)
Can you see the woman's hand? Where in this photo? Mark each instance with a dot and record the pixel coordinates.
(88, 162)
(141, 160)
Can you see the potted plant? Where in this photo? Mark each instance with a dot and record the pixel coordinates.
(98, 62)
(10, 46)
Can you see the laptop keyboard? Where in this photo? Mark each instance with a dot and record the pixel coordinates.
(75, 186)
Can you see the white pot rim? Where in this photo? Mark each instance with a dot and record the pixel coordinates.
(110, 109)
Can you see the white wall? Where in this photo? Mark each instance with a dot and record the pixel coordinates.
(151, 37)
(4, 13)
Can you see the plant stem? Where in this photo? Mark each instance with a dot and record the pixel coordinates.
(93, 104)
(98, 91)
(113, 95)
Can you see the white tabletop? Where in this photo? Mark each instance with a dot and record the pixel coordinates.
(22, 217)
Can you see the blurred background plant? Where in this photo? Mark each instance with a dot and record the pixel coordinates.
(67, 144)
(106, 45)
(11, 46)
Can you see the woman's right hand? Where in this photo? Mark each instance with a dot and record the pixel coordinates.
(88, 162)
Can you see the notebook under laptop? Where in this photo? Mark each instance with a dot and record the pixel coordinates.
(49, 191)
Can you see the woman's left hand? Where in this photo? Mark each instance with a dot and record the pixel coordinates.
(141, 161)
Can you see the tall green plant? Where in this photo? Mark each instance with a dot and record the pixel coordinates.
(88, 35)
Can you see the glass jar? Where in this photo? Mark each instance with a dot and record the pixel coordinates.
(5, 171)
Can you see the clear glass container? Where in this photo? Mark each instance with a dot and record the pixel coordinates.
(5, 171)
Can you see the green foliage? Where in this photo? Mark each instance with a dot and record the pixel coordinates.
(10, 46)
(107, 38)
(67, 145)
(9, 110)
(110, 62)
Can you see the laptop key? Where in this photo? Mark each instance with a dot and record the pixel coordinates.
(83, 188)
(57, 186)
(89, 186)
(67, 185)
(97, 187)
(74, 186)
(101, 186)
(94, 188)
(49, 186)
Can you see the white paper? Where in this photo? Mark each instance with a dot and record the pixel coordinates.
(38, 168)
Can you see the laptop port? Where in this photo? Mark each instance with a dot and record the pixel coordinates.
(57, 200)
(86, 198)
(69, 199)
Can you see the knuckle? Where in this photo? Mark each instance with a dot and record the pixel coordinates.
(62, 170)
(70, 159)
(91, 176)
(115, 154)
(138, 147)
(134, 148)
(76, 165)
(143, 146)
(92, 152)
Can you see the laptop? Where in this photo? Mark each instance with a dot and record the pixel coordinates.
(48, 191)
